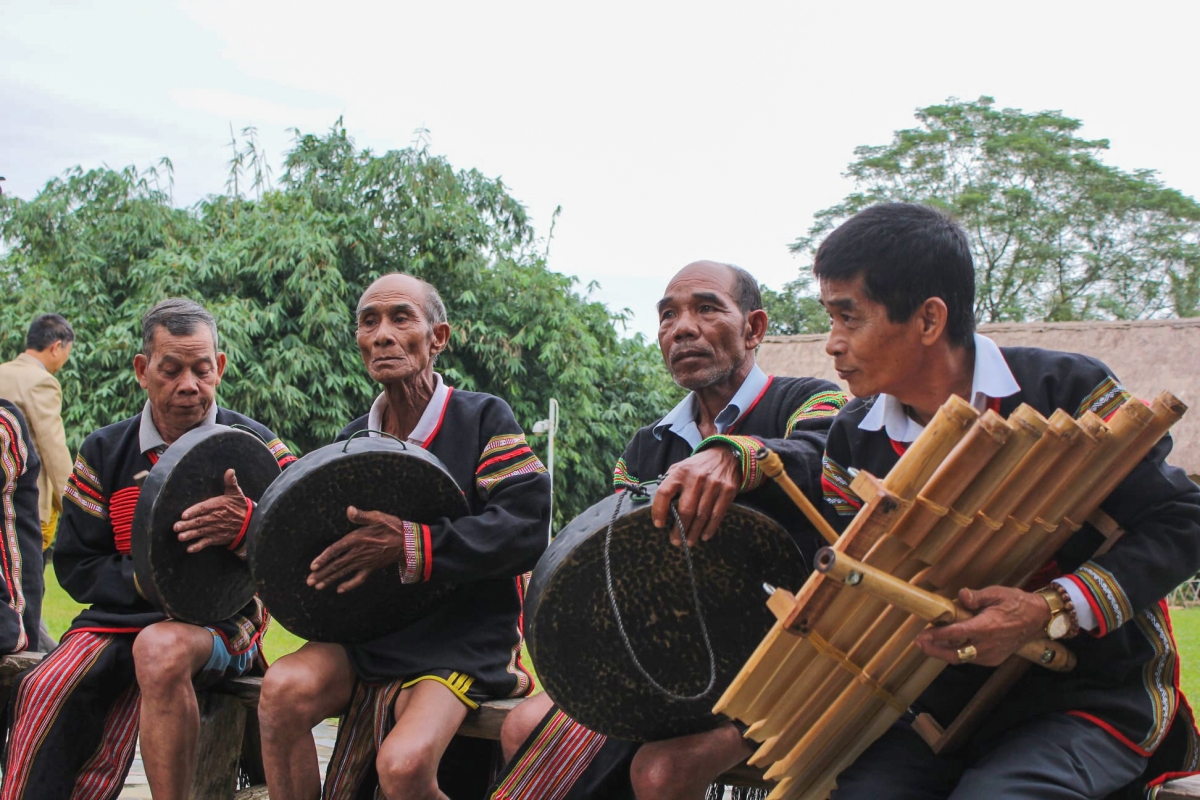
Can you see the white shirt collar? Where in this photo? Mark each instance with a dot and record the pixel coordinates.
(992, 379)
(431, 417)
(150, 439)
(681, 420)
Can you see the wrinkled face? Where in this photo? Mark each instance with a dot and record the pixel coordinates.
(870, 352)
(180, 376)
(704, 337)
(397, 342)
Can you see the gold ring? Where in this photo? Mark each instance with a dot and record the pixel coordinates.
(967, 654)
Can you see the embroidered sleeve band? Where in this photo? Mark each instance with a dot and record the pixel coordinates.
(822, 404)
(1104, 595)
(416, 566)
(744, 447)
(622, 479)
(835, 483)
(502, 458)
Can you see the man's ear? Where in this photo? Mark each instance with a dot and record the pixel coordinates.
(140, 363)
(441, 337)
(931, 318)
(756, 328)
(221, 361)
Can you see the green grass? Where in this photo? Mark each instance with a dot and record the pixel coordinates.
(58, 609)
(1186, 622)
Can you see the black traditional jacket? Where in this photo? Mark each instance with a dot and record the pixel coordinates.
(20, 527)
(92, 555)
(477, 630)
(1127, 679)
(791, 416)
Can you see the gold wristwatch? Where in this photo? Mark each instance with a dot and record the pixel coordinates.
(1063, 622)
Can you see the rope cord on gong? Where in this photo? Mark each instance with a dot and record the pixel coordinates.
(612, 599)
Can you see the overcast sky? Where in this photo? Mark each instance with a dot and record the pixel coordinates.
(667, 132)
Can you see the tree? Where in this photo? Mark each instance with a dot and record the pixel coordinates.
(1056, 233)
(793, 309)
(282, 272)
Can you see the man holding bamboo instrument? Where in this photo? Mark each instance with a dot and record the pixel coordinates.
(898, 283)
(711, 321)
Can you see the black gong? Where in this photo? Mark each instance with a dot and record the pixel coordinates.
(213, 584)
(305, 511)
(580, 655)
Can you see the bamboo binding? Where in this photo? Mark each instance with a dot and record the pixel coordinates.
(976, 500)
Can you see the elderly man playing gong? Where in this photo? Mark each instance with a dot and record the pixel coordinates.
(123, 664)
(404, 694)
(711, 321)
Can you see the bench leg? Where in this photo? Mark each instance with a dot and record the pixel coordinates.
(222, 723)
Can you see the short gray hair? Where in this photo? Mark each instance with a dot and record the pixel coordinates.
(432, 305)
(180, 316)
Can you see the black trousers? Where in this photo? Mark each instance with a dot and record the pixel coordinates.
(1052, 757)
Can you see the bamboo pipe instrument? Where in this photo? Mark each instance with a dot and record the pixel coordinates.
(932, 608)
(772, 465)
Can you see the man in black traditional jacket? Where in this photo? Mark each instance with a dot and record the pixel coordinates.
(898, 283)
(711, 321)
(123, 665)
(404, 695)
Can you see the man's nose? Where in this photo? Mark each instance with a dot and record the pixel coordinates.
(685, 326)
(188, 384)
(384, 333)
(835, 345)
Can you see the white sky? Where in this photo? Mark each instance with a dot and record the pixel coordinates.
(667, 132)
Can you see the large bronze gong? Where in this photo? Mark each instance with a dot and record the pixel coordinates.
(213, 584)
(582, 658)
(305, 511)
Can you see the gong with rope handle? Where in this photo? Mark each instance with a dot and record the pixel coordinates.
(304, 512)
(601, 668)
(213, 584)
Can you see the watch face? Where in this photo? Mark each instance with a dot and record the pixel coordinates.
(1059, 626)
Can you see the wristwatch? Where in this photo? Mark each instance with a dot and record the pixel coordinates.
(1063, 622)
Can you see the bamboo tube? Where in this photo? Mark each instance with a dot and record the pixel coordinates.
(773, 466)
(984, 544)
(932, 608)
(925, 455)
(968, 458)
(1026, 427)
(848, 618)
(804, 726)
(1016, 535)
(870, 525)
(1136, 431)
(873, 727)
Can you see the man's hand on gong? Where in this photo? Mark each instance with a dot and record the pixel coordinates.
(703, 486)
(378, 543)
(216, 521)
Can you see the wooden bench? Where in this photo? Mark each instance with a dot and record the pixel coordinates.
(229, 729)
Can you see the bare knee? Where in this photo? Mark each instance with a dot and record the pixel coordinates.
(292, 697)
(654, 775)
(520, 722)
(408, 772)
(164, 656)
